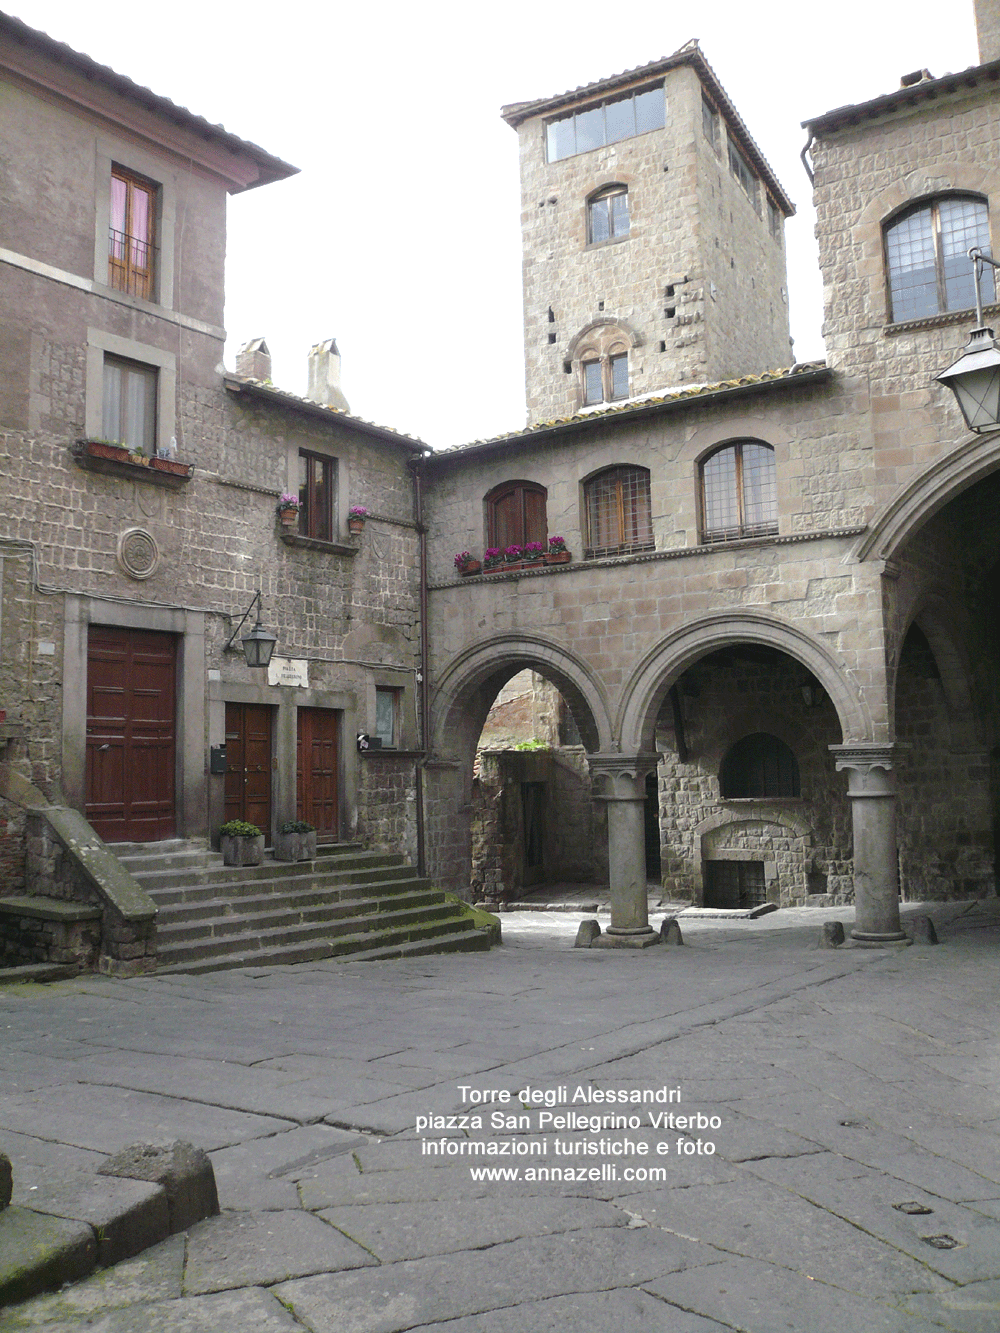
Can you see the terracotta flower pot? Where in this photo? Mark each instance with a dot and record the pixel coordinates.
(289, 517)
(470, 567)
(116, 452)
(172, 466)
(558, 558)
(355, 526)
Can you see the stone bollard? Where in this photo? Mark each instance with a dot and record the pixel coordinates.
(832, 935)
(585, 936)
(670, 931)
(185, 1172)
(6, 1181)
(923, 930)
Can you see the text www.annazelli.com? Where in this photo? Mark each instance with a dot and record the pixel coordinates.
(572, 1174)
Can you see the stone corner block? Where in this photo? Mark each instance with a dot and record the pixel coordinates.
(922, 928)
(587, 933)
(127, 1216)
(40, 1253)
(670, 931)
(184, 1171)
(832, 935)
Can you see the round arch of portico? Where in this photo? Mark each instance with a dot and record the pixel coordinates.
(932, 615)
(465, 688)
(635, 723)
(973, 460)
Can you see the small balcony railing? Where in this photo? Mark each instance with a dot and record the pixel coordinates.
(132, 264)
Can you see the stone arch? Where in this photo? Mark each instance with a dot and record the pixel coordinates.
(467, 686)
(931, 614)
(973, 460)
(763, 812)
(602, 326)
(635, 723)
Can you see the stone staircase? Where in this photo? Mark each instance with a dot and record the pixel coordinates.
(347, 903)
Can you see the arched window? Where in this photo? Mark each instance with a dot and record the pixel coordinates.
(607, 214)
(926, 257)
(738, 492)
(618, 512)
(759, 766)
(515, 514)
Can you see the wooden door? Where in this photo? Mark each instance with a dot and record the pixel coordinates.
(131, 734)
(318, 788)
(248, 764)
(533, 811)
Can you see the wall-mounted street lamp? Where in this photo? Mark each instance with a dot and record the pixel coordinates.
(975, 377)
(258, 644)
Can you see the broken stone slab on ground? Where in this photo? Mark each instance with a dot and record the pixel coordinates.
(184, 1171)
(587, 933)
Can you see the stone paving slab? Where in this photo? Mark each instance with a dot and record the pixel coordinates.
(127, 1216)
(250, 1309)
(586, 1313)
(261, 1173)
(243, 1249)
(971, 1309)
(37, 1252)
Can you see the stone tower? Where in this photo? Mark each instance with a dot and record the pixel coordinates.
(653, 239)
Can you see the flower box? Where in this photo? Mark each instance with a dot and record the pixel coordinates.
(558, 558)
(295, 846)
(98, 449)
(171, 466)
(241, 850)
(470, 567)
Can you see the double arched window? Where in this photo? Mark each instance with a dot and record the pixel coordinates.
(515, 514)
(758, 766)
(926, 257)
(618, 512)
(739, 492)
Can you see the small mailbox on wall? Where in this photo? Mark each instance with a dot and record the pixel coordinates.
(217, 759)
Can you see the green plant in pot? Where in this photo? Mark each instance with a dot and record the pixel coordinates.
(295, 841)
(241, 843)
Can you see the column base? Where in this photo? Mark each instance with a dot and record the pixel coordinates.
(640, 938)
(868, 939)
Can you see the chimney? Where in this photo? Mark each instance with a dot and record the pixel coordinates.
(988, 30)
(324, 376)
(253, 360)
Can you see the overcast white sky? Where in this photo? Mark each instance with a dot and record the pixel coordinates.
(401, 236)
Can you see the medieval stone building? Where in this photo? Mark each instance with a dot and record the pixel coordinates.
(776, 642)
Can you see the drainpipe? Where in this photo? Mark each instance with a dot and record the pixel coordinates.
(418, 505)
(805, 162)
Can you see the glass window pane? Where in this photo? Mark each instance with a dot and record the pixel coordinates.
(619, 376)
(649, 110)
(708, 122)
(759, 486)
(964, 223)
(912, 276)
(719, 481)
(589, 129)
(111, 427)
(593, 391)
(620, 119)
(619, 214)
(385, 716)
(600, 226)
(561, 138)
(119, 191)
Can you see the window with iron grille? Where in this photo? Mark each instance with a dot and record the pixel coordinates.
(926, 257)
(607, 215)
(129, 408)
(132, 235)
(739, 492)
(618, 512)
(758, 766)
(734, 884)
(515, 514)
(316, 480)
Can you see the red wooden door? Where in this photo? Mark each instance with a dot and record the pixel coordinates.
(131, 734)
(318, 788)
(248, 764)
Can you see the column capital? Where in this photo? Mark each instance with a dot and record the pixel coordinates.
(863, 756)
(621, 777)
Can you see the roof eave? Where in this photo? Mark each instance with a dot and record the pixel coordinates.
(319, 412)
(903, 99)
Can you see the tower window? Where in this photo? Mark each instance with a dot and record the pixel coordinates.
(739, 492)
(759, 766)
(607, 215)
(710, 123)
(619, 375)
(609, 122)
(926, 257)
(743, 172)
(618, 512)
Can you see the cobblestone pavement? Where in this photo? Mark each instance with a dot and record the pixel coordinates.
(833, 1087)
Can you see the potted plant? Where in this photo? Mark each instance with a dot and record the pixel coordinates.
(241, 844)
(466, 565)
(513, 554)
(534, 553)
(557, 553)
(492, 558)
(171, 465)
(288, 509)
(356, 516)
(295, 841)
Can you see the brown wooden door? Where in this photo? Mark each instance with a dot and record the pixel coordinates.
(131, 734)
(318, 787)
(248, 764)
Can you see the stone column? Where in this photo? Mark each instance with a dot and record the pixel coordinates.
(872, 789)
(620, 781)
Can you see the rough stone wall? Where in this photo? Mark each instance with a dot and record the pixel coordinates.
(691, 228)
(387, 806)
(808, 838)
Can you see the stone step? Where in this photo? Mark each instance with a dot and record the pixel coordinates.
(377, 931)
(215, 870)
(168, 888)
(347, 949)
(318, 920)
(411, 893)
